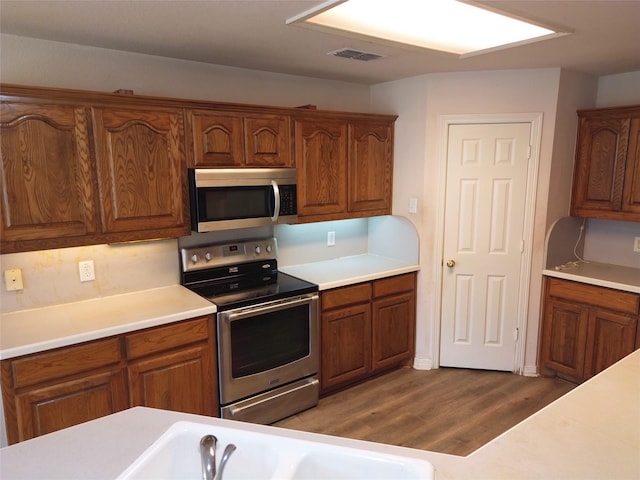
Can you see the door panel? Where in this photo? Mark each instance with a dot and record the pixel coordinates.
(487, 167)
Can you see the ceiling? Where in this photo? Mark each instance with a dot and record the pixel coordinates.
(253, 34)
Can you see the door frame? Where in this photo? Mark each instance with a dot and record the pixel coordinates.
(444, 121)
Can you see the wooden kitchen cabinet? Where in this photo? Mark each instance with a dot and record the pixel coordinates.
(345, 166)
(142, 170)
(83, 168)
(226, 139)
(48, 180)
(170, 367)
(53, 390)
(366, 328)
(607, 170)
(394, 319)
(370, 167)
(585, 328)
(345, 336)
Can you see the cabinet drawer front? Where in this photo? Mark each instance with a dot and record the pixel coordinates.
(343, 296)
(65, 361)
(164, 338)
(399, 283)
(625, 302)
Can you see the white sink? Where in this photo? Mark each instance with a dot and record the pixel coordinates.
(176, 455)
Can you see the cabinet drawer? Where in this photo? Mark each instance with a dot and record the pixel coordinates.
(397, 284)
(340, 297)
(164, 338)
(616, 300)
(65, 361)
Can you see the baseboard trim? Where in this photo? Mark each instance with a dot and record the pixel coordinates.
(530, 371)
(422, 363)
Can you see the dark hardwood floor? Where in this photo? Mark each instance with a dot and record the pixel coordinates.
(445, 410)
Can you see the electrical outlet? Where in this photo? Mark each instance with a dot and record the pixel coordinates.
(636, 244)
(331, 239)
(86, 270)
(13, 279)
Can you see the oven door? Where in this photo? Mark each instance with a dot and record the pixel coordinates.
(265, 346)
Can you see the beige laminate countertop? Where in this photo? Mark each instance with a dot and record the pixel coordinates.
(599, 274)
(592, 432)
(349, 270)
(39, 329)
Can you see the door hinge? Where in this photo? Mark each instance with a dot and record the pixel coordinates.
(529, 152)
(515, 334)
(521, 246)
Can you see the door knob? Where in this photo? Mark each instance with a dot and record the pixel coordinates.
(451, 263)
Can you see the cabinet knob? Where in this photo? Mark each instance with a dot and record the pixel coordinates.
(451, 263)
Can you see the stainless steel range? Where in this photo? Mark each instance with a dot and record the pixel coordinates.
(267, 329)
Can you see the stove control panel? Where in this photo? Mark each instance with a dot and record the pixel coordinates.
(221, 254)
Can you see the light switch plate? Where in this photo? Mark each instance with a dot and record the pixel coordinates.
(636, 244)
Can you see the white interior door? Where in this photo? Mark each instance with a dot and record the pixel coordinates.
(486, 183)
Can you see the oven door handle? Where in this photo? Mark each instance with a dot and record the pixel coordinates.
(245, 312)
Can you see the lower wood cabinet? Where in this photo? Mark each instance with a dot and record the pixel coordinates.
(586, 328)
(169, 367)
(366, 328)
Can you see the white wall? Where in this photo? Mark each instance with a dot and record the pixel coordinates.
(419, 102)
(619, 90)
(28, 61)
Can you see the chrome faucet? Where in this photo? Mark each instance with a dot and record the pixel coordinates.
(208, 456)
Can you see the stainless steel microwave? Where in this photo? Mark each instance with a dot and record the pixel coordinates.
(228, 198)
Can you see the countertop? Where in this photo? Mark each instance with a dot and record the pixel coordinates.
(600, 274)
(349, 270)
(39, 329)
(591, 432)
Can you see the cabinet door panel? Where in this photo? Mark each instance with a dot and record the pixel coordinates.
(142, 169)
(600, 163)
(346, 345)
(610, 338)
(564, 337)
(631, 196)
(181, 381)
(47, 179)
(267, 141)
(370, 167)
(217, 139)
(393, 325)
(47, 409)
(321, 152)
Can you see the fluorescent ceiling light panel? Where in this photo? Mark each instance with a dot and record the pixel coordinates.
(444, 25)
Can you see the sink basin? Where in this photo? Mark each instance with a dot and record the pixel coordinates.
(176, 455)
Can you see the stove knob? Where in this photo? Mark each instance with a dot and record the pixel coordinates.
(194, 258)
(208, 256)
(257, 249)
(268, 248)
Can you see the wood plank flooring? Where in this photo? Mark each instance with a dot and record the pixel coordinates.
(445, 410)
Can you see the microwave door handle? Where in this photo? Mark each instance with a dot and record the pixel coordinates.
(276, 196)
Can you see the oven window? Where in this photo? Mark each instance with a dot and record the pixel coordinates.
(229, 203)
(270, 340)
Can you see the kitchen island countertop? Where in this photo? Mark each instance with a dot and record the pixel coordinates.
(591, 432)
(39, 329)
(344, 271)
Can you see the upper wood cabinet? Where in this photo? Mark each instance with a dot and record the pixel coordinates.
(345, 166)
(141, 166)
(370, 167)
(225, 139)
(48, 180)
(606, 180)
(81, 168)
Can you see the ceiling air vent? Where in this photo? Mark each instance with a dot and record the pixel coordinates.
(355, 54)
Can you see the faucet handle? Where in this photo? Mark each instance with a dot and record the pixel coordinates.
(208, 456)
(225, 458)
